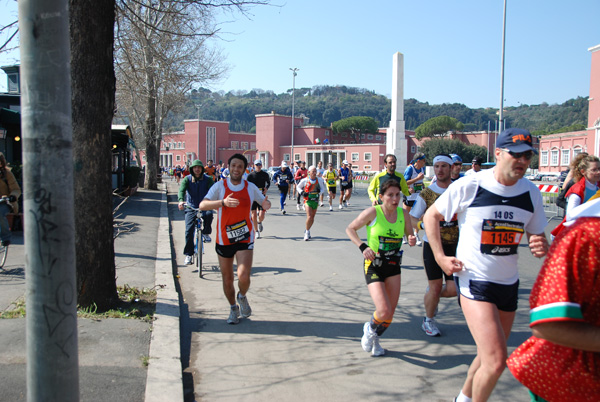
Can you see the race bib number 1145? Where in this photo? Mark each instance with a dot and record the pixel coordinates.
(501, 237)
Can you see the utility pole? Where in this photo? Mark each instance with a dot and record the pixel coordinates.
(52, 358)
(501, 115)
(293, 93)
(198, 152)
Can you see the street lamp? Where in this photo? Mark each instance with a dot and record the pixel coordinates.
(501, 116)
(293, 92)
(198, 149)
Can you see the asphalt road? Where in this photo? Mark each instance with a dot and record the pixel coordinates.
(309, 301)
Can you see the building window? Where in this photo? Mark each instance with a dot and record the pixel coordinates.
(344, 135)
(235, 144)
(367, 167)
(296, 157)
(367, 157)
(326, 133)
(565, 157)
(244, 145)
(554, 157)
(354, 156)
(183, 144)
(413, 149)
(178, 158)
(377, 138)
(362, 136)
(211, 143)
(369, 136)
(253, 145)
(144, 158)
(335, 142)
(577, 151)
(286, 157)
(544, 158)
(179, 145)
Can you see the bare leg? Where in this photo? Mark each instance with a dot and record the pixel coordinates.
(244, 269)
(432, 298)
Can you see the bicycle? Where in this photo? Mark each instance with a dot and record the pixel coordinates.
(3, 248)
(198, 239)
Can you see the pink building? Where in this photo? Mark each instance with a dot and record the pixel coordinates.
(557, 150)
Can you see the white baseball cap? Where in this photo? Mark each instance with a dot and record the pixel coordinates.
(345, 162)
(283, 164)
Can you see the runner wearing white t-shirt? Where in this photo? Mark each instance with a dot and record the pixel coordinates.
(495, 209)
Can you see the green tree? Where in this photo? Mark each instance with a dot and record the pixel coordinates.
(436, 146)
(355, 126)
(438, 126)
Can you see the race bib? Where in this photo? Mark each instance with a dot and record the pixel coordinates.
(331, 182)
(500, 237)
(389, 250)
(313, 196)
(344, 183)
(237, 232)
(418, 187)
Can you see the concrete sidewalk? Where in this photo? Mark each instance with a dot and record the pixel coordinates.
(112, 352)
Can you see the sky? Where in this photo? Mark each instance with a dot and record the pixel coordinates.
(452, 49)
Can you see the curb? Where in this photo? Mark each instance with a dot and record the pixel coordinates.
(164, 380)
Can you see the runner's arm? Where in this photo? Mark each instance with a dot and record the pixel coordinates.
(538, 244)
(576, 335)
(362, 220)
(431, 220)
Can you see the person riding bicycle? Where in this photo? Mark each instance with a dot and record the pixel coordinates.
(8, 188)
(192, 191)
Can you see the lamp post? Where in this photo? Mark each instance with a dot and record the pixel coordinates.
(501, 115)
(293, 92)
(198, 148)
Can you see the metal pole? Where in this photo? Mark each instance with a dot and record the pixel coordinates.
(52, 359)
(293, 93)
(198, 153)
(501, 122)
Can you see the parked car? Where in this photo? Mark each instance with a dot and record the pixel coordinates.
(272, 170)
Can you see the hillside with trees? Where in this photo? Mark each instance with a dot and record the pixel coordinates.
(324, 105)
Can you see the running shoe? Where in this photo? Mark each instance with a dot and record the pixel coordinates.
(234, 315)
(257, 235)
(430, 328)
(206, 238)
(303, 208)
(377, 349)
(309, 236)
(298, 207)
(367, 339)
(188, 260)
(260, 226)
(330, 208)
(341, 206)
(283, 211)
(245, 310)
(345, 204)
(404, 240)
(306, 236)
(419, 242)
(321, 204)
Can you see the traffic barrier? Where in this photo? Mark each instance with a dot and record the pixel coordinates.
(549, 188)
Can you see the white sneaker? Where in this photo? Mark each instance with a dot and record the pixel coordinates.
(188, 260)
(419, 242)
(283, 211)
(367, 339)
(306, 236)
(321, 204)
(404, 240)
(298, 207)
(377, 349)
(260, 226)
(257, 235)
(303, 208)
(234, 315)
(345, 204)
(330, 208)
(245, 310)
(430, 327)
(341, 206)
(309, 236)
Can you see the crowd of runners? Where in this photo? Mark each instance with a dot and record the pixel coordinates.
(471, 229)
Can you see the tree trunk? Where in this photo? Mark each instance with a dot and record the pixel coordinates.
(93, 98)
(152, 151)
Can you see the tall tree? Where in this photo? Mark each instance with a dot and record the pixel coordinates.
(162, 52)
(438, 127)
(93, 91)
(355, 126)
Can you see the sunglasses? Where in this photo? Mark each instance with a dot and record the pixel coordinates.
(518, 155)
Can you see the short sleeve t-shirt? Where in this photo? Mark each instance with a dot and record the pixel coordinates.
(492, 219)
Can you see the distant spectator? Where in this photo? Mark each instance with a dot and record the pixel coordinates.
(561, 201)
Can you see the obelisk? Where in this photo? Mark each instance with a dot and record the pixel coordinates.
(395, 139)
